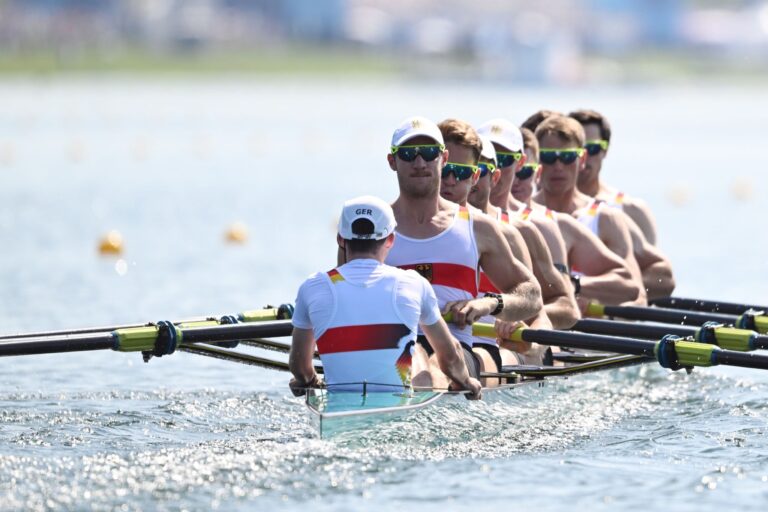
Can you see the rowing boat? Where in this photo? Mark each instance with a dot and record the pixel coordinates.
(335, 413)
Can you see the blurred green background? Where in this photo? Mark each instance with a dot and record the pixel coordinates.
(560, 42)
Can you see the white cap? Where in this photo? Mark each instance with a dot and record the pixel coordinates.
(488, 151)
(414, 127)
(503, 133)
(367, 207)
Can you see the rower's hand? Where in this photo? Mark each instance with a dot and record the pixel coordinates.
(475, 389)
(583, 303)
(299, 388)
(472, 385)
(467, 312)
(505, 330)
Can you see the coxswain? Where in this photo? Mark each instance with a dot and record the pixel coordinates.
(363, 316)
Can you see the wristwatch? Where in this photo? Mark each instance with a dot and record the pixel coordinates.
(576, 280)
(499, 304)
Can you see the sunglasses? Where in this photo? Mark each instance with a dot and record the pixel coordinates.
(409, 153)
(506, 159)
(485, 168)
(460, 171)
(567, 156)
(594, 147)
(527, 171)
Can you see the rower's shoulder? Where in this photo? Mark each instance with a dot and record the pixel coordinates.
(634, 204)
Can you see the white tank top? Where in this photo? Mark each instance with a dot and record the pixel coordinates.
(617, 201)
(368, 338)
(590, 217)
(448, 260)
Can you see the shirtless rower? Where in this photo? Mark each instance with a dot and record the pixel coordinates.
(458, 178)
(362, 316)
(447, 243)
(606, 278)
(562, 155)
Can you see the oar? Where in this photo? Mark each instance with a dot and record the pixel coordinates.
(160, 339)
(750, 320)
(729, 308)
(282, 312)
(238, 357)
(671, 351)
(713, 333)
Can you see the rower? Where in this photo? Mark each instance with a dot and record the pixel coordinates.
(508, 145)
(597, 131)
(447, 243)
(363, 316)
(458, 177)
(557, 291)
(606, 278)
(562, 154)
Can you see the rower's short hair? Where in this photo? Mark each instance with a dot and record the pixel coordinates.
(586, 116)
(461, 133)
(566, 128)
(536, 118)
(529, 140)
(363, 227)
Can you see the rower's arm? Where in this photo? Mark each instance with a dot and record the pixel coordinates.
(300, 358)
(550, 230)
(521, 293)
(654, 266)
(556, 289)
(639, 212)
(606, 278)
(517, 244)
(450, 356)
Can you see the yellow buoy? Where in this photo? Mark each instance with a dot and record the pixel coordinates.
(237, 233)
(742, 189)
(111, 243)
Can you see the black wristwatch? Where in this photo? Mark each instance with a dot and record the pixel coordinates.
(499, 304)
(576, 280)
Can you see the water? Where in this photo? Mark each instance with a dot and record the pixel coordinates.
(171, 164)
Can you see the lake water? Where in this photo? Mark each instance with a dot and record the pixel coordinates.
(171, 164)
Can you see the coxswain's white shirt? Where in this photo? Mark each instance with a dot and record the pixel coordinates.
(415, 296)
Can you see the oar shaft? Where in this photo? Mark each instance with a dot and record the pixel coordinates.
(742, 359)
(589, 341)
(83, 343)
(670, 316)
(252, 315)
(613, 327)
(236, 332)
(729, 308)
(730, 338)
(670, 351)
(69, 332)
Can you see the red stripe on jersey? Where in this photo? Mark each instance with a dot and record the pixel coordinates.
(486, 285)
(451, 275)
(354, 338)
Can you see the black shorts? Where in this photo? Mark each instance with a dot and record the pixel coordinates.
(493, 350)
(470, 359)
